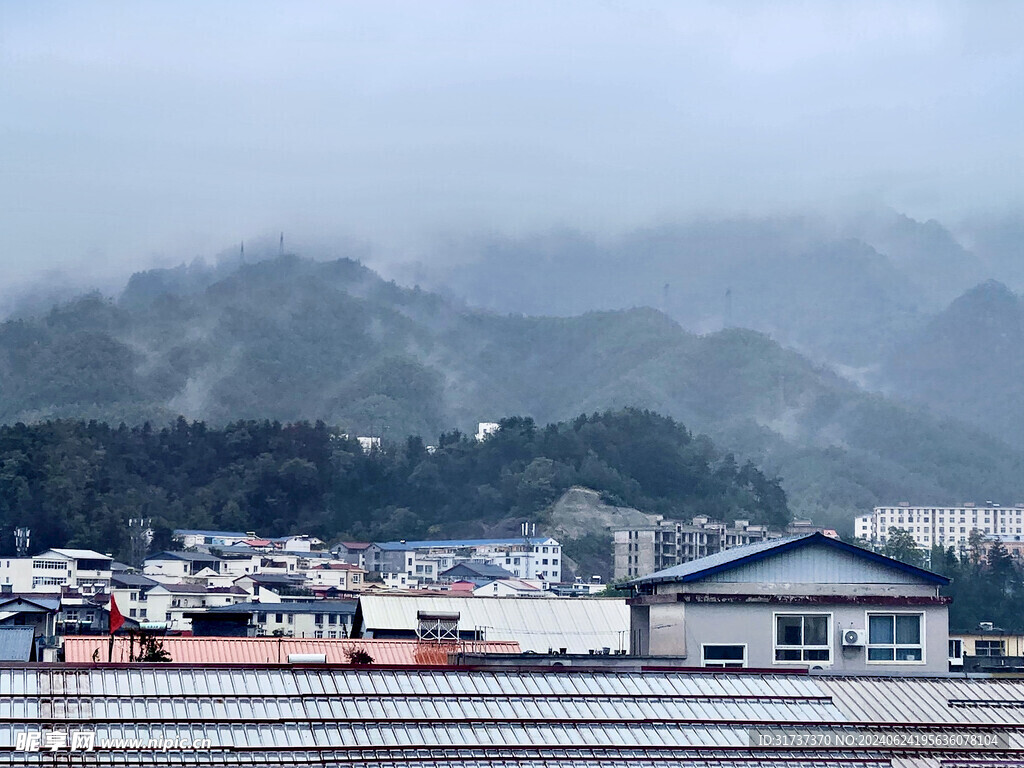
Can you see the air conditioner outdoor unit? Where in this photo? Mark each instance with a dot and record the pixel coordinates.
(853, 637)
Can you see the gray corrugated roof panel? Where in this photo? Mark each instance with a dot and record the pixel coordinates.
(191, 556)
(16, 643)
(315, 715)
(132, 580)
(578, 624)
(81, 554)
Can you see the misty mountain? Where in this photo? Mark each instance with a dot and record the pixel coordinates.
(291, 339)
(968, 362)
(843, 292)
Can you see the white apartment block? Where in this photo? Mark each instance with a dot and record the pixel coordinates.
(940, 526)
(54, 570)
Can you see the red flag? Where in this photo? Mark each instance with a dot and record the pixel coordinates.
(116, 619)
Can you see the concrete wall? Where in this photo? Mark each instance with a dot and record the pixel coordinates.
(681, 629)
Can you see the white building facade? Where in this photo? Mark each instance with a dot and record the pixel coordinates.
(931, 525)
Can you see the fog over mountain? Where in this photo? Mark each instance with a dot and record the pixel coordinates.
(138, 135)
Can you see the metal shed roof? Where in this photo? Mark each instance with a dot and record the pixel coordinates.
(736, 557)
(576, 624)
(16, 643)
(286, 715)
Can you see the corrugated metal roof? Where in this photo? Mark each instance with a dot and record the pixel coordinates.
(261, 650)
(16, 643)
(201, 557)
(736, 557)
(576, 624)
(84, 554)
(285, 715)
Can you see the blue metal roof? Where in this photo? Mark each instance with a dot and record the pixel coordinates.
(456, 543)
(16, 643)
(726, 560)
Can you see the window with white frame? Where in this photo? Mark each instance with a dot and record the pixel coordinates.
(895, 637)
(723, 655)
(802, 637)
(956, 649)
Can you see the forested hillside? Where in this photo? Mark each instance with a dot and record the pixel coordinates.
(968, 362)
(77, 483)
(291, 339)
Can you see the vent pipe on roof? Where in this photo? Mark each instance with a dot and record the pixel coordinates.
(307, 658)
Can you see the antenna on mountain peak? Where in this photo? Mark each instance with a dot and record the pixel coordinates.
(242, 252)
(281, 251)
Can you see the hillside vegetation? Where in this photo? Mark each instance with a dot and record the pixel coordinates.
(77, 483)
(291, 339)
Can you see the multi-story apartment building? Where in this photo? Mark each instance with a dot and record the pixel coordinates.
(647, 549)
(933, 525)
(53, 571)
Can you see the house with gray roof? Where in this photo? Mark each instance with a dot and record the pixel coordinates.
(804, 602)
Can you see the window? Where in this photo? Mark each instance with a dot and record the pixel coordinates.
(131, 613)
(956, 648)
(167, 616)
(723, 655)
(895, 637)
(318, 618)
(279, 617)
(802, 638)
(989, 647)
(318, 633)
(142, 613)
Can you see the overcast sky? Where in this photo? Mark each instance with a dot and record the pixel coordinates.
(141, 132)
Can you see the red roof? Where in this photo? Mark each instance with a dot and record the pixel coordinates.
(271, 650)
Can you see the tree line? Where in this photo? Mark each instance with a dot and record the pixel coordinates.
(78, 483)
(987, 581)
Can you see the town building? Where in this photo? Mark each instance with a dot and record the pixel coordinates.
(354, 552)
(478, 573)
(536, 558)
(800, 602)
(328, 619)
(198, 539)
(641, 550)
(986, 648)
(55, 570)
(174, 566)
(935, 525)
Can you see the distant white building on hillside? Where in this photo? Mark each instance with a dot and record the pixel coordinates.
(485, 429)
(931, 525)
